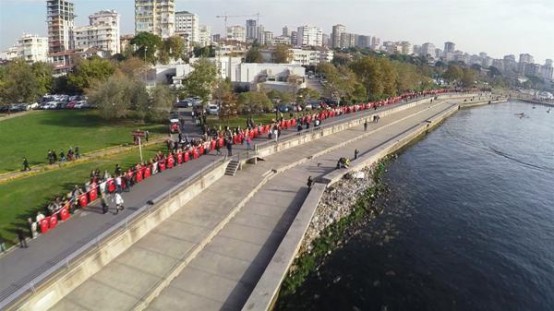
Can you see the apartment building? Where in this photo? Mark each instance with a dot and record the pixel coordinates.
(155, 16)
(61, 20)
(187, 26)
(309, 36)
(31, 48)
(102, 33)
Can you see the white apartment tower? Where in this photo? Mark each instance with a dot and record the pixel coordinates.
(204, 36)
(155, 16)
(60, 19)
(237, 33)
(31, 48)
(186, 25)
(309, 36)
(102, 32)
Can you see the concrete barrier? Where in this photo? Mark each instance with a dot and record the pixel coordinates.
(47, 295)
(266, 291)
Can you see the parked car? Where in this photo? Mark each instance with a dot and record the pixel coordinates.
(213, 109)
(183, 104)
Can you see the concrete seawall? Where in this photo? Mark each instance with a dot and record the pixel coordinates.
(266, 291)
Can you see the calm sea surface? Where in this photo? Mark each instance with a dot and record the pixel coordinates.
(468, 225)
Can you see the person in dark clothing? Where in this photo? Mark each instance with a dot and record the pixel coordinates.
(2, 245)
(356, 152)
(365, 125)
(118, 170)
(229, 147)
(310, 182)
(21, 237)
(26, 164)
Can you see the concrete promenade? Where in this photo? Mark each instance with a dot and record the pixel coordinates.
(210, 254)
(20, 266)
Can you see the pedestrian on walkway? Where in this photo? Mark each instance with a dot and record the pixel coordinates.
(118, 203)
(310, 182)
(146, 135)
(21, 237)
(356, 154)
(26, 164)
(365, 125)
(229, 147)
(217, 147)
(32, 228)
(2, 245)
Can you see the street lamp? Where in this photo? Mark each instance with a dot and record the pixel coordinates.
(146, 69)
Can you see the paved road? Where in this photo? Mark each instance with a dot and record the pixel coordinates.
(220, 268)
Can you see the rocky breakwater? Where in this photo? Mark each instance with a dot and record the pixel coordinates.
(338, 201)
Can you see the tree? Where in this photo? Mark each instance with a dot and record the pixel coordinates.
(453, 73)
(305, 94)
(43, 73)
(19, 83)
(201, 81)
(132, 67)
(225, 98)
(111, 97)
(340, 59)
(254, 102)
(253, 56)
(281, 54)
(161, 102)
(207, 51)
(468, 77)
(146, 45)
(89, 70)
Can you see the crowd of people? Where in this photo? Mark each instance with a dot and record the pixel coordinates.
(72, 154)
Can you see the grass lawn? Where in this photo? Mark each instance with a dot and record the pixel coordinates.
(33, 134)
(22, 198)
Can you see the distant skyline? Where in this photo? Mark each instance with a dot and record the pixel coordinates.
(497, 27)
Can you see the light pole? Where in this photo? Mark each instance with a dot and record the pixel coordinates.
(146, 69)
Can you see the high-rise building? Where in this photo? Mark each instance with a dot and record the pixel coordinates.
(294, 38)
(363, 41)
(286, 31)
(187, 26)
(268, 37)
(375, 43)
(31, 48)
(251, 30)
(61, 20)
(525, 60)
(406, 48)
(336, 33)
(428, 49)
(204, 35)
(102, 33)
(285, 40)
(309, 36)
(449, 47)
(237, 33)
(260, 35)
(155, 16)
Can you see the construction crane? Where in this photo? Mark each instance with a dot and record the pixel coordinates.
(225, 17)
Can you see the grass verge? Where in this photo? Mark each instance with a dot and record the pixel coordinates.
(22, 198)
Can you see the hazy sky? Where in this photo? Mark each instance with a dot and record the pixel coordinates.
(498, 27)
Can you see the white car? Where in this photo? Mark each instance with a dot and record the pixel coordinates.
(212, 109)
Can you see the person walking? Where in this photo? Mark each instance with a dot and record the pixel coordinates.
(365, 125)
(310, 182)
(118, 203)
(21, 237)
(217, 147)
(356, 152)
(229, 148)
(2, 245)
(26, 164)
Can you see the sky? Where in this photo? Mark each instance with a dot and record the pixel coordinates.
(497, 27)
